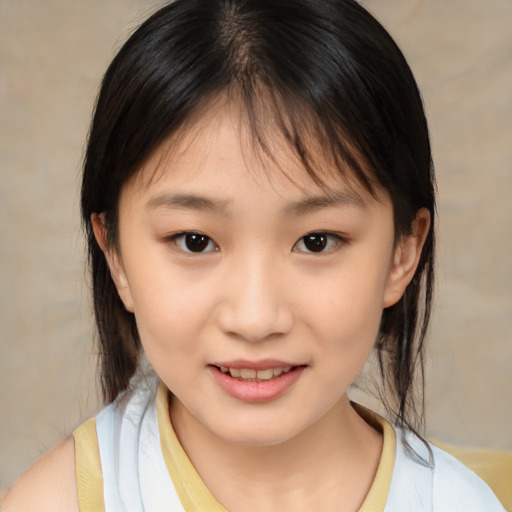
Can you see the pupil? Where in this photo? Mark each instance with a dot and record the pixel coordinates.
(196, 242)
(315, 242)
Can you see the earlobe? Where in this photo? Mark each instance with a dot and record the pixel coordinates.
(113, 259)
(406, 258)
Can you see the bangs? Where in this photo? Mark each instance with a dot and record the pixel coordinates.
(271, 123)
(323, 148)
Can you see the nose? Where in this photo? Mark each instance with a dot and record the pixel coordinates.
(256, 303)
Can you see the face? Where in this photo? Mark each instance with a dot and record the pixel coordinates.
(257, 298)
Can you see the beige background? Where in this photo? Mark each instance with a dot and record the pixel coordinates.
(52, 55)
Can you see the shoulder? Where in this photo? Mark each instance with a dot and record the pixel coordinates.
(49, 485)
(456, 487)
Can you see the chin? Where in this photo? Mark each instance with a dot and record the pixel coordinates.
(257, 433)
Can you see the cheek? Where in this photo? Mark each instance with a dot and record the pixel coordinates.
(346, 314)
(170, 310)
(350, 299)
(167, 317)
(169, 330)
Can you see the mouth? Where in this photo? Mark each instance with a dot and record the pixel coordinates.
(256, 382)
(253, 375)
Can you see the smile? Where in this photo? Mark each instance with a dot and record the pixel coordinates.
(263, 382)
(253, 375)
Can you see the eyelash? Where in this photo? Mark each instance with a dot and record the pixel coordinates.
(180, 239)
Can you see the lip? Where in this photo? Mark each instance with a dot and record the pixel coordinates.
(261, 364)
(256, 391)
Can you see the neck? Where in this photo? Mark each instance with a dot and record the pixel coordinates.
(328, 466)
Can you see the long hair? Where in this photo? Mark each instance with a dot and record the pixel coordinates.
(325, 73)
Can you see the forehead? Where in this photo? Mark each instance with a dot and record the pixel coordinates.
(223, 143)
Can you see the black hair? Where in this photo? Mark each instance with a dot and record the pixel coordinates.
(326, 68)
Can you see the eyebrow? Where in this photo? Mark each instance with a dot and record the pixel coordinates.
(185, 201)
(334, 199)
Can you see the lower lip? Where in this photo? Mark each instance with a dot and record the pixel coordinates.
(256, 391)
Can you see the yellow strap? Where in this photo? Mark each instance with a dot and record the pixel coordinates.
(377, 496)
(193, 493)
(89, 476)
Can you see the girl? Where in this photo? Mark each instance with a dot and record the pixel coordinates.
(258, 197)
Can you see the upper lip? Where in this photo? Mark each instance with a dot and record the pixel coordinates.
(262, 364)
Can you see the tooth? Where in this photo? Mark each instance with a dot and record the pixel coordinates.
(265, 374)
(247, 373)
(287, 369)
(223, 369)
(277, 371)
(235, 372)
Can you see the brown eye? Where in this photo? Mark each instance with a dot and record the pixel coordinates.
(317, 242)
(194, 242)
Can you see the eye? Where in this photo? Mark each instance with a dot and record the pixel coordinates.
(318, 242)
(193, 241)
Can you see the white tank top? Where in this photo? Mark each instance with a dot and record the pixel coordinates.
(136, 478)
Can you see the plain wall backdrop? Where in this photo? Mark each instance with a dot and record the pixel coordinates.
(52, 57)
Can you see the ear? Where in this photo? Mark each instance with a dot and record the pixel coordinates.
(406, 258)
(114, 262)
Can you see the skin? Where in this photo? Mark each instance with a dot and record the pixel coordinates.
(257, 293)
(48, 486)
